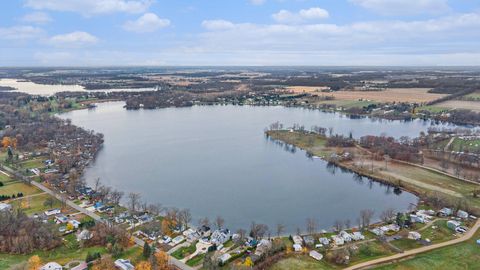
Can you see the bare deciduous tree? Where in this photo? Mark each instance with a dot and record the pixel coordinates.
(133, 201)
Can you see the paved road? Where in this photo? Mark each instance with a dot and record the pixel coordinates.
(416, 251)
(96, 217)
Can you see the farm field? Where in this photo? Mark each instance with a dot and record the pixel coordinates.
(16, 187)
(390, 95)
(461, 104)
(306, 89)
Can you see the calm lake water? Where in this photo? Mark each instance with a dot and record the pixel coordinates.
(215, 160)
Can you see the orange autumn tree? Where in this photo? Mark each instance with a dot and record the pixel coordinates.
(143, 265)
(105, 263)
(161, 259)
(7, 141)
(34, 263)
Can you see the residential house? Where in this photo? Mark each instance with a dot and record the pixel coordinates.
(124, 264)
(61, 219)
(414, 235)
(357, 236)
(337, 240)
(224, 258)
(297, 247)
(263, 246)
(453, 224)
(346, 236)
(324, 241)
(297, 239)
(445, 212)
(177, 240)
(84, 235)
(219, 237)
(51, 266)
(309, 240)
(5, 207)
(52, 212)
(317, 256)
(462, 214)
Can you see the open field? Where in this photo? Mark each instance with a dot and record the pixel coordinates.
(465, 255)
(34, 204)
(301, 262)
(306, 89)
(390, 95)
(475, 96)
(347, 104)
(33, 163)
(461, 104)
(17, 187)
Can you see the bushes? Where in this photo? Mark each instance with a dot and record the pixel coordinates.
(7, 197)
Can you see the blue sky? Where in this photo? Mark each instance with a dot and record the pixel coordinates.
(239, 32)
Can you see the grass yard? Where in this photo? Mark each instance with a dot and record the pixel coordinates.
(35, 204)
(184, 251)
(33, 163)
(465, 255)
(303, 262)
(347, 104)
(196, 260)
(17, 187)
(5, 178)
(406, 244)
(441, 233)
(369, 251)
(311, 142)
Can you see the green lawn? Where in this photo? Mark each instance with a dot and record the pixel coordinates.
(465, 255)
(17, 187)
(303, 262)
(35, 204)
(184, 251)
(33, 163)
(440, 234)
(196, 260)
(5, 178)
(369, 251)
(406, 244)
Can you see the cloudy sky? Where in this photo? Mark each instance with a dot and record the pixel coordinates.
(239, 32)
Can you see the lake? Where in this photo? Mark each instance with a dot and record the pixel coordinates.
(216, 160)
(32, 88)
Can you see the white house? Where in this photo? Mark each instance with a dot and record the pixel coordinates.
(324, 241)
(263, 246)
(445, 212)
(224, 258)
(5, 207)
(219, 237)
(453, 224)
(52, 212)
(51, 266)
(357, 236)
(346, 236)
(317, 256)
(297, 247)
(414, 235)
(337, 240)
(177, 240)
(462, 214)
(297, 239)
(124, 264)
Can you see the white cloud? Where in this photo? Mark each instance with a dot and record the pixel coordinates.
(217, 25)
(315, 13)
(74, 39)
(149, 22)
(91, 7)
(448, 35)
(257, 2)
(20, 32)
(37, 17)
(404, 7)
